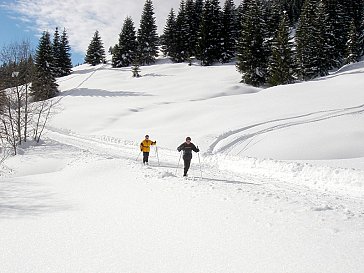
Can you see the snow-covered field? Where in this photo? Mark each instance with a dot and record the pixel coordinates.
(280, 187)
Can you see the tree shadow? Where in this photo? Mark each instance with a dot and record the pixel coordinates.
(20, 199)
(86, 92)
(230, 181)
(85, 70)
(204, 178)
(156, 75)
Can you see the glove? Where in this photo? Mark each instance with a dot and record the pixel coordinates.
(155, 142)
(179, 149)
(141, 150)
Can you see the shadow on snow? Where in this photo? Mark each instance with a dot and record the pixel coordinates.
(85, 92)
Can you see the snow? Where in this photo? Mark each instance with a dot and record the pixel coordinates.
(281, 187)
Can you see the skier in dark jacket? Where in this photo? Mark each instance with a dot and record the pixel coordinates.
(187, 148)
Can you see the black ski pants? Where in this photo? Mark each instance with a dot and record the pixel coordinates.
(145, 157)
(187, 162)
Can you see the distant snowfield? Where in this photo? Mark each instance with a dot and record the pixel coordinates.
(282, 187)
(318, 120)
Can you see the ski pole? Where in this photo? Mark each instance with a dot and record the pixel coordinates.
(200, 163)
(138, 156)
(156, 151)
(180, 155)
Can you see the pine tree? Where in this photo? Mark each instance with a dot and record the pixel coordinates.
(293, 8)
(126, 50)
(353, 10)
(273, 12)
(115, 55)
(281, 62)
(329, 57)
(193, 26)
(252, 58)
(56, 46)
(353, 46)
(147, 35)
(95, 53)
(304, 39)
(111, 50)
(229, 31)
(65, 55)
(44, 84)
(311, 43)
(360, 26)
(169, 35)
(209, 44)
(339, 20)
(135, 69)
(199, 4)
(325, 41)
(356, 12)
(240, 13)
(182, 31)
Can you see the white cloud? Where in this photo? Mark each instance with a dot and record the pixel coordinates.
(82, 17)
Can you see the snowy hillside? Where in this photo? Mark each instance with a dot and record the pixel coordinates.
(320, 120)
(278, 185)
(312, 120)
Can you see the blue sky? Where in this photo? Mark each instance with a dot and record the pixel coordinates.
(27, 19)
(14, 27)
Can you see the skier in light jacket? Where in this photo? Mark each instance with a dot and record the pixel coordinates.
(145, 148)
(187, 148)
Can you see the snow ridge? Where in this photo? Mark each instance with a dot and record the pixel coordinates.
(323, 178)
(236, 138)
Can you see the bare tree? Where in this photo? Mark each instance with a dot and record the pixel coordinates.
(16, 76)
(18, 111)
(41, 113)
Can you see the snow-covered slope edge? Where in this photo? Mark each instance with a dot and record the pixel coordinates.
(237, 127)
(345, 181)
(84, 192)
(323, 178)
(316, 120)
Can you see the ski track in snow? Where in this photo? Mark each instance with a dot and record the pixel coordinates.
(229, 140)
(282, 199)
(257, 187)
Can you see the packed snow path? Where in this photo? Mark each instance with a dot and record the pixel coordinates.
(96, 209)
(112, 147)
(81, 202)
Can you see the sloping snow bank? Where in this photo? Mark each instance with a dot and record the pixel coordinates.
(343, 181)
(322, 178)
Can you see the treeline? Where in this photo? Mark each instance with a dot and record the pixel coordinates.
(51, 59)
(26, 77)
(272, 41)
(134, 47)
